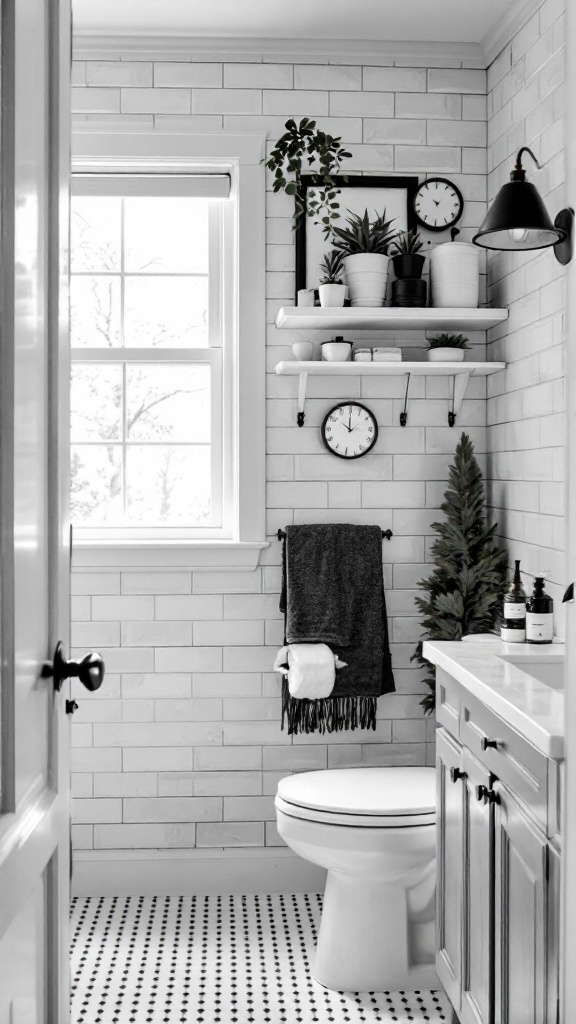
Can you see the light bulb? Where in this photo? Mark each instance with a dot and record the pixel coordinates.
(518, 234)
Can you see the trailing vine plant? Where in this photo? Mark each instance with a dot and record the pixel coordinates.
(321, 154)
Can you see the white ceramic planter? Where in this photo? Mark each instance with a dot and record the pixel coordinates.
(445, 355)
(332, 294)
(336, 351)
(455, 275)
(366, 277)
(303, 351)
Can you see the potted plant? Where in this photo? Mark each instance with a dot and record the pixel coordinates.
(323, 155)
(447, 348)
(464, 592)
(332, 291)
(406, 258)
(364, 246)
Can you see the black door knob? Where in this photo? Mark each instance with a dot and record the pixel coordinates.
(486, 743)
(90, 671)
(456, 774)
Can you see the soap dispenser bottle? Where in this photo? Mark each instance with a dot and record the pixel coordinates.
(513, 628)
(539, 614)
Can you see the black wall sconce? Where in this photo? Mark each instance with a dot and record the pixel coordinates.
(518, 218)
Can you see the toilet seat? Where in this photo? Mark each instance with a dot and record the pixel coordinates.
(361, 797)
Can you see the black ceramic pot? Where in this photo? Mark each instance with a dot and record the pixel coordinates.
(408, 265)
(410, 292)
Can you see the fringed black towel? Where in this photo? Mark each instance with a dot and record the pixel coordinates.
(333, 593)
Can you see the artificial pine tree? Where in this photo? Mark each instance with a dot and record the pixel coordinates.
(464, 593)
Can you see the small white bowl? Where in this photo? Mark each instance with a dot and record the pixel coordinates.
(336, 351)
(303, 351)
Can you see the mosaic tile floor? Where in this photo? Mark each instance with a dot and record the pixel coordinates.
(215, 960)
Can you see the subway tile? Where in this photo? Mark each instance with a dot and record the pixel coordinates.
(156, 684)
(299, 759)
(172, 809)
(188, 659)
(427, 158)
(171, 74)
(92, 811)
(249, 808)
(80, 609)
(100, 760)
(225, 632)
(227, 684)
(119, 73)
(252, 710)
(230, 834)
(399, 80)
(156, 759)
(430, 106)
(362, 104)
(95, 582)
(456, 133)
(228, 758)
(294, 103)
(111, 608)
(227, 582)
(394, 130)
(95, 101)
(82, 837)
(155, 101)
(156, 634)
(95, 634)
(120, 784)
(128, 659)
(145, 837)
(326, 76)
(258, 76)
(193, 710)
(257, 733)
(157, 734)
(155, 583)
(227, 783)
(457, 80)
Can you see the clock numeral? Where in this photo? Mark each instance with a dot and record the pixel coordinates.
(362, 448)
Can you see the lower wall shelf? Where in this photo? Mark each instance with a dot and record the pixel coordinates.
(460, 372)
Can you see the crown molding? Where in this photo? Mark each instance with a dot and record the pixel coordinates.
(515, 17)
(88, 47)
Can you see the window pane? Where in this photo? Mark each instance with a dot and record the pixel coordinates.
(95, 223)
(94, 312)
(96, 484)
(169, 312)
(96, 402)
(166, 235)
(168, 402)
(168, 484)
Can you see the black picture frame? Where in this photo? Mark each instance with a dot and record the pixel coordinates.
(407, 183)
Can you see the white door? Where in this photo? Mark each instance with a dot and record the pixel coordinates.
(34, 555)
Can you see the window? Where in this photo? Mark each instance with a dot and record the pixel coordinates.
(150, 329)
(165, 479)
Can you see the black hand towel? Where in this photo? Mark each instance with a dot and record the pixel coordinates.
(333, 592)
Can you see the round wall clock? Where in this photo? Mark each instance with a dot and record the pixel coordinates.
(438, 204)
(349, 430)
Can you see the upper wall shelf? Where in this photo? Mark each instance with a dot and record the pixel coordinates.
(387, 318)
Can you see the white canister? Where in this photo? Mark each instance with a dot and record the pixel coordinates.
(306, 297)
(455, 275)
(303, 351)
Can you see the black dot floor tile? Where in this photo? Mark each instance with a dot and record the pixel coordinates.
(216, 960)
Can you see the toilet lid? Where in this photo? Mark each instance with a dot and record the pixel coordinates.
(377, 792)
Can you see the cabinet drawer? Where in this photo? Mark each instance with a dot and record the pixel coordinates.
(522, 768)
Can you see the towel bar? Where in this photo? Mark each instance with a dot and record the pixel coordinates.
(385, 533)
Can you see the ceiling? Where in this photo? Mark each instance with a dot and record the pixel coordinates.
(419, 21)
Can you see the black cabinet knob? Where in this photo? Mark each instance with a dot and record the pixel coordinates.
(71, 707)
(486, 796)
(455, 774)
(486, 743)
(90, 671)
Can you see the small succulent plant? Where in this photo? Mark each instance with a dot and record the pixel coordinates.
(331, 267)
(407, 244)
(449, 341)
(363, 235)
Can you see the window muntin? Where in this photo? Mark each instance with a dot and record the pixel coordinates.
(147, 335)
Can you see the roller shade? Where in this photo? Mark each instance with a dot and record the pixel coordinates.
(198, 186)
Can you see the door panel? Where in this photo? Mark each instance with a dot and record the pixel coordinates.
(34, 604)
(449, 866)
(520, 913)
(478, 938)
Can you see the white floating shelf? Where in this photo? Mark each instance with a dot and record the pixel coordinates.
(387, 318)
(461, 373)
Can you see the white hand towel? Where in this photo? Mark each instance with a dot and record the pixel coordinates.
(311, 669)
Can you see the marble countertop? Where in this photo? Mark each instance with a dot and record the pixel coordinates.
(529, 706)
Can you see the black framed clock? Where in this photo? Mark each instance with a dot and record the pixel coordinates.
(349, 430)
(438, 204)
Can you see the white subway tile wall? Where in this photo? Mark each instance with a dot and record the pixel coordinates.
(183, 745)
(525, 408)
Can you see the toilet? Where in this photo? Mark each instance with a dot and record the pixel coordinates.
(374, 829)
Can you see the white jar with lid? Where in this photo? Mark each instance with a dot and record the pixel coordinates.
(455, 275)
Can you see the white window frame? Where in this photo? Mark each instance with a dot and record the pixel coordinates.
(243, 425)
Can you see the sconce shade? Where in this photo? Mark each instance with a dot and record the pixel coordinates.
(518, 219)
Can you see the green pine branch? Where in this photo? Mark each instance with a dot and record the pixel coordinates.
(463, 592)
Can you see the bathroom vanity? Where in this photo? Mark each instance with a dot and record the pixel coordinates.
(499, 763)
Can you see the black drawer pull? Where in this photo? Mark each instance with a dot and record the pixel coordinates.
(486, 743)
(456, 774)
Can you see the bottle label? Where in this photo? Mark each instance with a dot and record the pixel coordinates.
(539, 628)
(514, 611)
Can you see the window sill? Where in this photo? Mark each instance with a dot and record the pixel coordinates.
(152, 556)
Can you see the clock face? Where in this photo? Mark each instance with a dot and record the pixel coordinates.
(438, 204)
(349, 430)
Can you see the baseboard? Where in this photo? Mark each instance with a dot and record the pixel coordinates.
(192, 872)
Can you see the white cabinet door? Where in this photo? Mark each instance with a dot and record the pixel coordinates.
(520, 911)
(34, 542)
(477, 903)
(449, 865)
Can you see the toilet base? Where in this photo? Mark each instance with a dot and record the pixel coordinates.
(376, 937)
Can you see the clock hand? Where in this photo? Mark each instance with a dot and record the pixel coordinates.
(437, 201)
